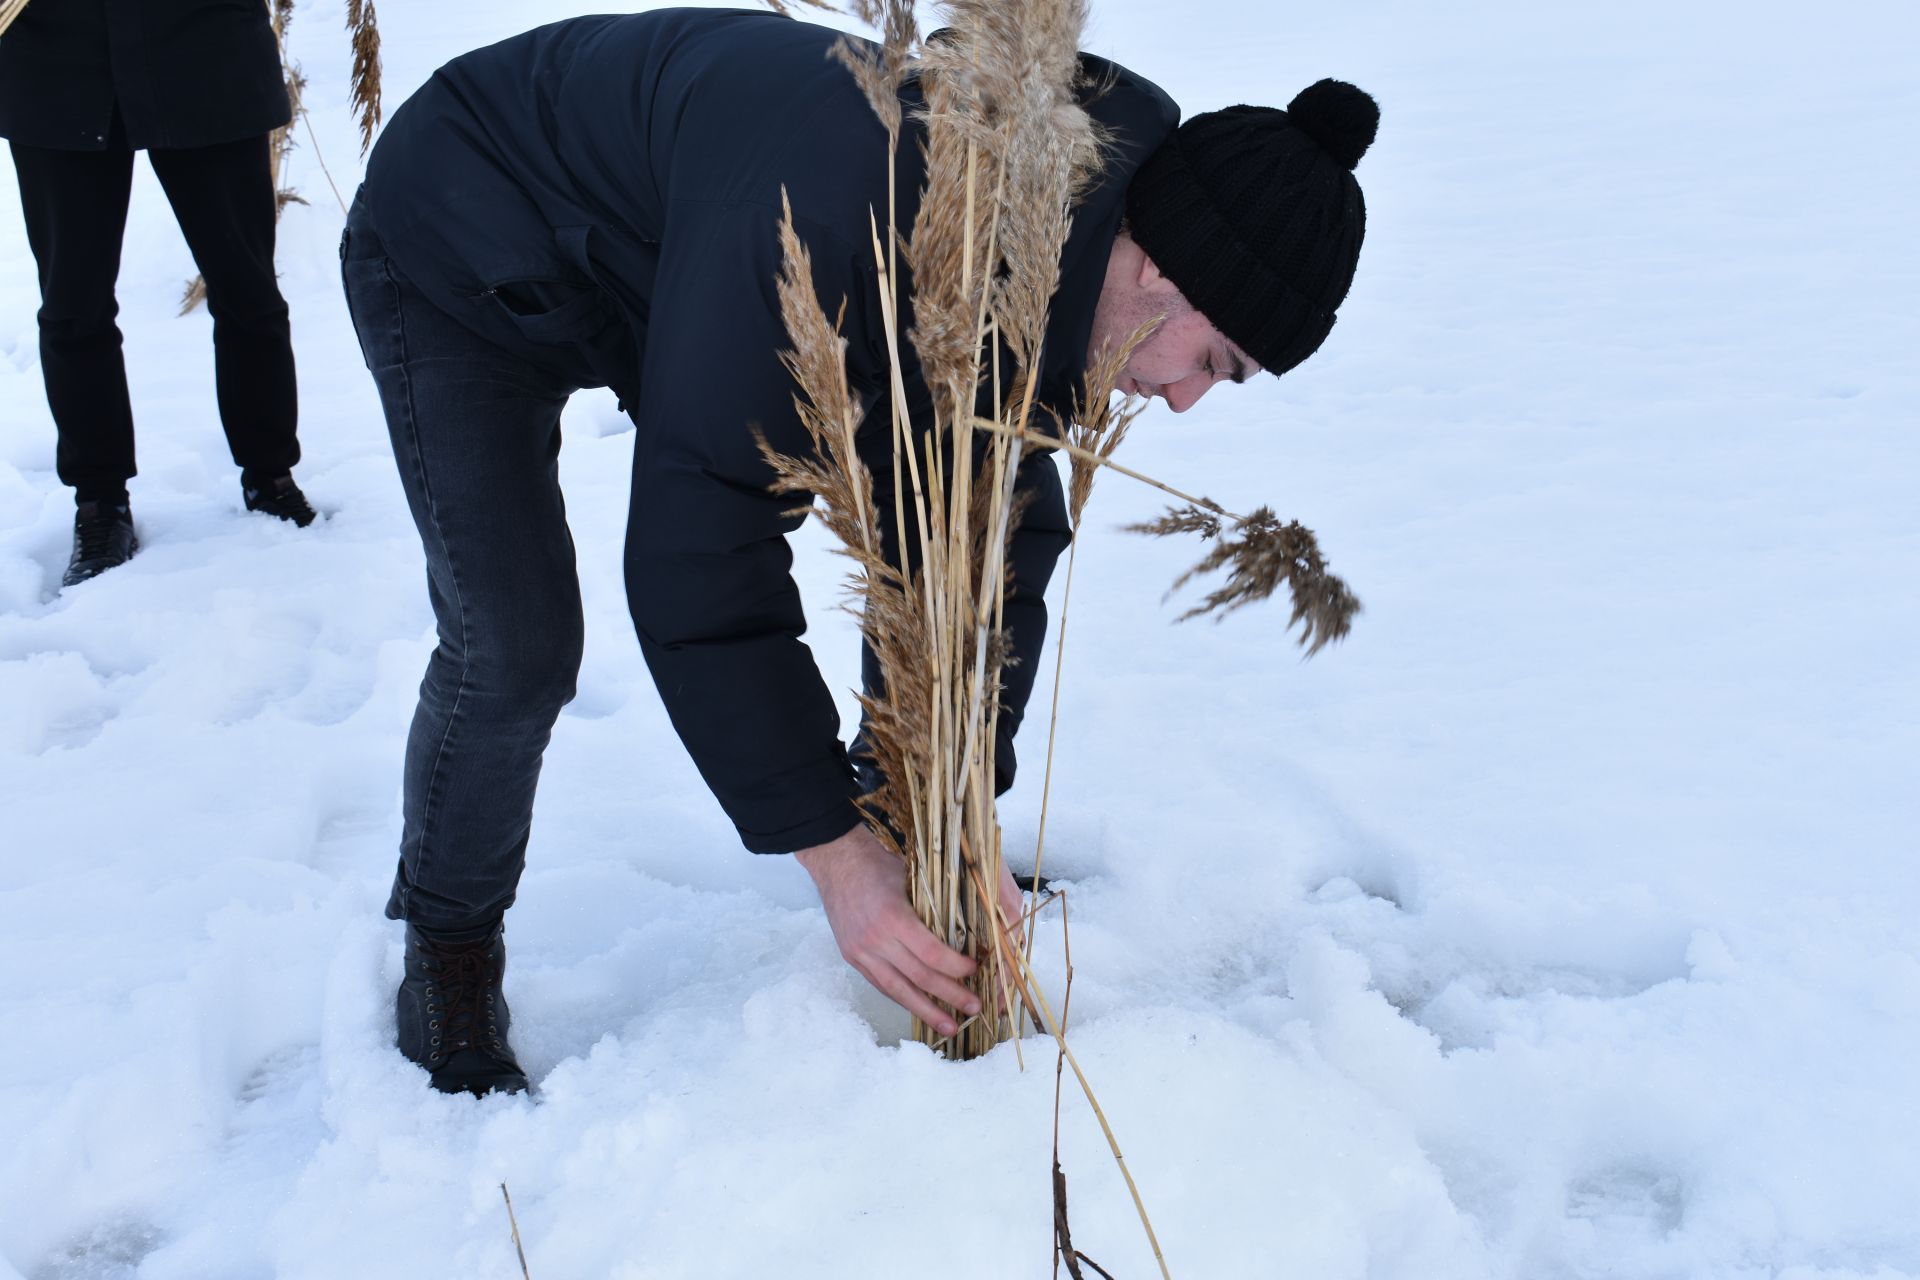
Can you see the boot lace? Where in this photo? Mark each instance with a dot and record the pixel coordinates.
(94, 535)
(461, 1001)
(283, 499)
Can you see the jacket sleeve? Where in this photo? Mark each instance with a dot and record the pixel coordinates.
(707, 562)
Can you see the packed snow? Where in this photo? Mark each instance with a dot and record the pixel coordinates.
(1560, 923)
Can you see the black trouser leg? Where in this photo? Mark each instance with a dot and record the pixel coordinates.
(76, 212)
(224, 200)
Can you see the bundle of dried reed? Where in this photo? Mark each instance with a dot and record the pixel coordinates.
(1008, 148)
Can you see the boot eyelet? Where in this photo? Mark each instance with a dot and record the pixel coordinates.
(433, 1026)
(435, 1040)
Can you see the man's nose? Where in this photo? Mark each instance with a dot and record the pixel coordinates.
(1184, 394)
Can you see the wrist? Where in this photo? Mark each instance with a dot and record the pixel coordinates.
(820, 859)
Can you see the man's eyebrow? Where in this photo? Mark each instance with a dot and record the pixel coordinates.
(1239, 367)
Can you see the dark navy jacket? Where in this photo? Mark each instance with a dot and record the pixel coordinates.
(183, 73)
(602, 194)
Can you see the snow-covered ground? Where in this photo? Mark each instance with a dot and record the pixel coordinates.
(1560, 924)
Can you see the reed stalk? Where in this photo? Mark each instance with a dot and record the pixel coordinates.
(1080, 453)
(1096, 430)
(1062, 1236)
(514, 1222)
(9, 10)
(1029, 990)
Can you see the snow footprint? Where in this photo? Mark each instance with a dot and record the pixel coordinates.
(1459, 965)
(1623, 1203)
(108, 1251)
(55, 701)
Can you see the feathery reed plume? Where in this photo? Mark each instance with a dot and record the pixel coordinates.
(785, 10)
(879, 69)
(364, 24)
(834, 472)
(1262, 554)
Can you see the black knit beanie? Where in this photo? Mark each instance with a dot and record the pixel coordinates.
(1255, 216)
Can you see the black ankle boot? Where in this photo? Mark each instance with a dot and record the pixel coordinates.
(279, 497)
(452, 1016)
(103, 539)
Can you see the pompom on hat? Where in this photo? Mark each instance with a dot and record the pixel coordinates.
(1255, 215)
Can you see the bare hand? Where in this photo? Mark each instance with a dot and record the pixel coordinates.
(863, 886)
(1014, 904)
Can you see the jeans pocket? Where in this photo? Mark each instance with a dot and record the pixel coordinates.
(373, 305)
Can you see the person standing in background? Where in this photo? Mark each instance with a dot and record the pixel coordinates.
(197, 84)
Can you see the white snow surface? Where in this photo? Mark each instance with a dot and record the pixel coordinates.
(1559, 924)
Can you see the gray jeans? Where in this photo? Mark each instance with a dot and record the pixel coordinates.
(476, 435)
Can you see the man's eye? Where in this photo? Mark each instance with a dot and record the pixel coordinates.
(1209, 366)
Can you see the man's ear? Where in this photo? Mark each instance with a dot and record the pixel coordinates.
(1151, 280)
